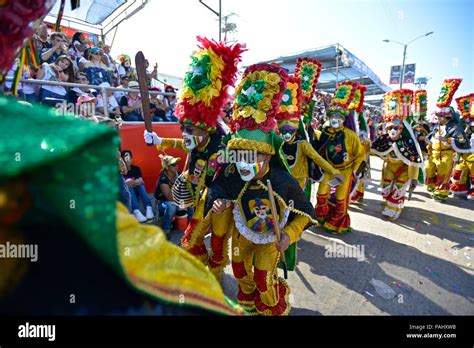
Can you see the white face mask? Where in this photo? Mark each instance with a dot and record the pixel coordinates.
(191, 141)
(287, 137)
(252, 169)
(335, 122)
(393, 133)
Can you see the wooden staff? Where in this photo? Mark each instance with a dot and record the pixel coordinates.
(143, 84)
(276, 224)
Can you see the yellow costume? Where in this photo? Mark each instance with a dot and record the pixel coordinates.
(297, 148)
(464, 171)
(255, 257)
(212, 70)
(341, 147)
(400, 150)
(344, 151)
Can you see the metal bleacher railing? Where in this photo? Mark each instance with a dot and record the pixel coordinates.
(102, 89)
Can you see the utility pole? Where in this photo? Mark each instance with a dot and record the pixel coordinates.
(405, 53)
(218, 14)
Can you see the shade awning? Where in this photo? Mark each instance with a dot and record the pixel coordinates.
(338, 64)
(90, 11)
(97, 16)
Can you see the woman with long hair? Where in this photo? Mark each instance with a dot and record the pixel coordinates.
(61, 71)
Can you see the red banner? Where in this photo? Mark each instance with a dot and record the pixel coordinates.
(146, 157)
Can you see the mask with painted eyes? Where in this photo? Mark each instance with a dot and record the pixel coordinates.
(191, 141)
(287, 137)
(335, 122)
(394, 132)
(248, 171)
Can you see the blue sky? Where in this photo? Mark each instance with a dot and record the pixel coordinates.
(166, 31)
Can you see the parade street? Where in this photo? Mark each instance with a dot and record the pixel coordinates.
(425, 257)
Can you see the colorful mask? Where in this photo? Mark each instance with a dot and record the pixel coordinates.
(191, 141)
(251, 168)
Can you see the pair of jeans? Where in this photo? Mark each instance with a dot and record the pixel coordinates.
(54, 98)
(168, 209)
(139, 192)
(125, 195)
(132, 117)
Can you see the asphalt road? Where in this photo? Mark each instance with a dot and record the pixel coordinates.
(425, 257)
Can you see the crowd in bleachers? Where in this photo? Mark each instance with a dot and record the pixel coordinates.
(78, 60)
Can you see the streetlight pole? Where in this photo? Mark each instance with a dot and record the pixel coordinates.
(405, 45)
(403, 65)
(218, 14)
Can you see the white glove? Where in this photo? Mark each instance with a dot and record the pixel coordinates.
(152, 138)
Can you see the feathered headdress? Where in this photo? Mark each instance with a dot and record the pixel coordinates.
(308, 71)
(464, 105)
(257, 101)
(421, 103)
(445, 98)
(212, 70)
(397, 104)
(290, 106)
(343, 97)
(358, 102)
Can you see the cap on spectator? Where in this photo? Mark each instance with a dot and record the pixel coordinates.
(167, 161)
(169, 88)
(133, 84)
(95, 50)
(85, 99)
(155, 89)
(124, 77)
(104, 84)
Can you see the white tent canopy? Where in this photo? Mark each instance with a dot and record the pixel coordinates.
(96, 16)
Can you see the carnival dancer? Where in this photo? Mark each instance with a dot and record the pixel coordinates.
(357, 122)
(400, 151)
(446, 138)
(420, 127)
(242, 188)
(342, 148)
(213, 68)
(463, 172)
(50, 204)
(296, 147)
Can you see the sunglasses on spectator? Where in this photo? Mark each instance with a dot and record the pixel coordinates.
(393, 127)
(83, 79)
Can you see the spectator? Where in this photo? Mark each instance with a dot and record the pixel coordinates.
(151, 74)
(166, 206)
(96, 70)
(26, 91)
(131, 104)
(40, 39)
(134, 180)
(110, 66)
(76, 92)
(124, 80)
(157, 107)
(58, 48)
(125, 67)
(87, 105)
(113, 106)
(79, 44)
(60, 71)
(170, 103)
(85, 59)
